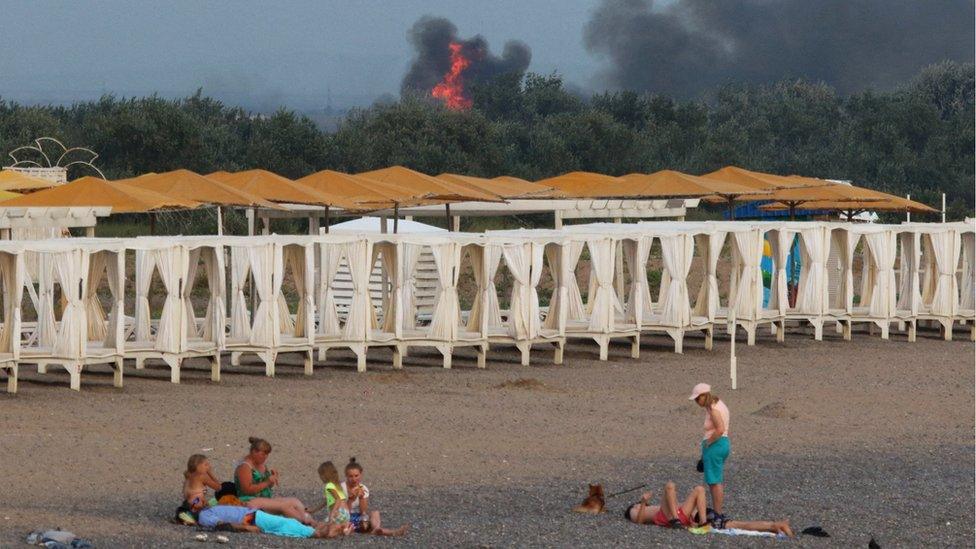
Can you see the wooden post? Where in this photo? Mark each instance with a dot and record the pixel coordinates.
(456, 223)
(908, 214)
(252, 215)
(220, 221)
(326, 219)
(265, 225)
(731, 208)
(396, 217)
(90, 232)
(447, 210)
(382, 225)
(152, 223)
(943, 208)
(557, 219)
(618, 260)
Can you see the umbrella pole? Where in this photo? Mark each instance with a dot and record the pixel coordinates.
(396, 217)
(447, 208)
(731, 208)
(326, 219)
(152, 223)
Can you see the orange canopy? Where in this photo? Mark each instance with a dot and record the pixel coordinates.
(92, 191)
(674, 184)
(832, 192)
(363, 190)
(416, 183)
(275, 188)
(7, 195)
(893, 204)
(586, 185)
(193, 186)
(13, 180)
(504, 186)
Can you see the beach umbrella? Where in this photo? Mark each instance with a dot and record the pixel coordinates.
(13, 180)
(193, 186)
(850, 208)
(415, 182)
(586, 185)
(504, 186)
(757, 181)
(675, 184)
(832, 192)
(7, 195)
(94, 191)
(275, 188)
(364, 192)
(418, 183)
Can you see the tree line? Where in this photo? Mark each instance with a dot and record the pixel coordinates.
(916, 139)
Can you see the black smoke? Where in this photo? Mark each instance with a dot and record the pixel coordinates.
(431, 37)
(689, 46)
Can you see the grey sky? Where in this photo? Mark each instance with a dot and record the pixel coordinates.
(260, 54)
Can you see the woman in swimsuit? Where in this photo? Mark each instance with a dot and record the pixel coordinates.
(255, 481)
(669, 514)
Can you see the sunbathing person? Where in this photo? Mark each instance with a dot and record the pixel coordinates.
(690, 513)
(244, 519)
(669, 513)
(255, 482)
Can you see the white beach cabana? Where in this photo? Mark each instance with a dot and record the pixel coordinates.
(399, 321)
(12, 283)
(68, 277)
(177, 333)
(264, 325)
(673, 313)
(873, 299)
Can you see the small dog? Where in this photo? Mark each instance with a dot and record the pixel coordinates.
(594, 503)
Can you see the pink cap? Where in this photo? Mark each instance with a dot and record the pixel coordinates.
(699, 390)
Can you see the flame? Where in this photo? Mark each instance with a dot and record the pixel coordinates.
(451, 88)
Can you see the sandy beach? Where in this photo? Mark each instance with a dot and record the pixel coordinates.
(867, 438)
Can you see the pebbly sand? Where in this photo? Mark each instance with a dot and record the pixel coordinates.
(865, 438)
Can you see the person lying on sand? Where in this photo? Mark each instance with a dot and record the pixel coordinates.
(669, 514)
(255, 481)
(363, 519)
(244, 519)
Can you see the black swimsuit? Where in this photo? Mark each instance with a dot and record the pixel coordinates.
(627, 512)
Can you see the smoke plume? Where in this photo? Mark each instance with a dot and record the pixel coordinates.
(432, 38)
(689, 46)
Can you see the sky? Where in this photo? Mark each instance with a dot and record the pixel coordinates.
(317, 55)
(296, 53)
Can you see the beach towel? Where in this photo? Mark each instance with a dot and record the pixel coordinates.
(733, 532)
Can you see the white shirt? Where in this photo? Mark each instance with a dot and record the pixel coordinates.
(354, 503)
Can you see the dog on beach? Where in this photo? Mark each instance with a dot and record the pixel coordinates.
(594, 503)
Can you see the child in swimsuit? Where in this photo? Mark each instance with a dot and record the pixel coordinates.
(334, 498)
(197, 478)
